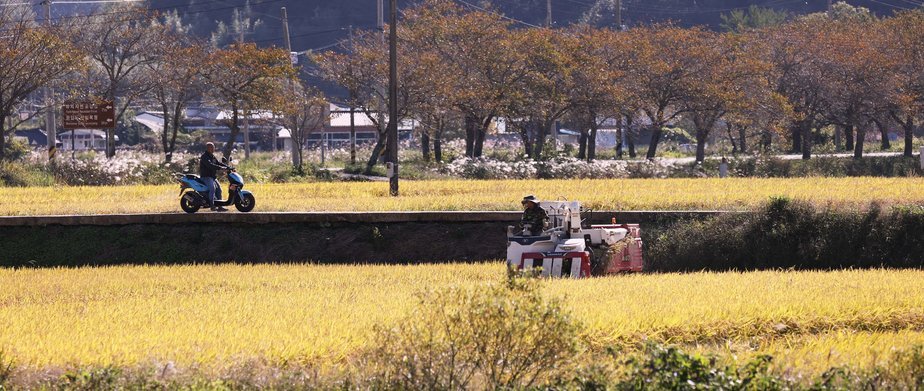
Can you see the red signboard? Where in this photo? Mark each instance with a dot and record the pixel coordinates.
(88, 115)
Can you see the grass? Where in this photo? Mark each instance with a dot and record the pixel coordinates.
(620, 194)
(216, 316)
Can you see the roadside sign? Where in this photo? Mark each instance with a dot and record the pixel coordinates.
(293, 57)
(88, 115)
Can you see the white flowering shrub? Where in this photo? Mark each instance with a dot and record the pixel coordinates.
(558, 168)
(482, 168)
(126, 167)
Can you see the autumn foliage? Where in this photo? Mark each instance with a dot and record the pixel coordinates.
(782, 82)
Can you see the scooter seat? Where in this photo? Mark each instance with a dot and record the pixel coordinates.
(194, 177)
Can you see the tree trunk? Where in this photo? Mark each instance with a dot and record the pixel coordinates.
(630, 139)
(480, 135)
(539, 142)
(655, 139)
(731, 138)
(177, 113)
(294, 138)
(630, 136)
(796, 139)
(766, 140)
(701, 146)
(909, 136)
(582, 145)
(524, 137)
(3, 138)
(592, 142)
(235, 130)
(848, 138)
(165, 109)
(376, 153)
(619, 135)
(806, 132)
(470, 136)
(704, 127)
(425, 146)
(884, 134)
(743, 138)
(438, 147)
(861, 138)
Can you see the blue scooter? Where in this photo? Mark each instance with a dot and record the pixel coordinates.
(194, 194)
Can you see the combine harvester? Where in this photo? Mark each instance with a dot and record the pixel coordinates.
(568, 249)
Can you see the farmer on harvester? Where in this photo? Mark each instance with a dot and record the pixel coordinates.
(534, 217)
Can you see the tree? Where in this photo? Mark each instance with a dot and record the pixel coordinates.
(754, 17)
(31, 57)
(245, 78)
(179, 75)
(662, 63)
(477, 50)
(242, 22)
(545, 92)
(363, 71)
(597, 78)
(303, 110)
(730, 82)
(798, 74)
(120, 41)
(855, 77)
(904, 42)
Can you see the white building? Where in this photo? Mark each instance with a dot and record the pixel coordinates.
(83, 140)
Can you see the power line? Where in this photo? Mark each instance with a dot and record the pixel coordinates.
(890, 5)
(308, 34)
(498, 14)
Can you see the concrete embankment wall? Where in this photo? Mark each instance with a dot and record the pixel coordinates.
(361, 237)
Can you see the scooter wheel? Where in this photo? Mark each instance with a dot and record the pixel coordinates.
(188, 207)
(245, 203)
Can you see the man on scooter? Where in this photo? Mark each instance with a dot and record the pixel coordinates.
(208, 172)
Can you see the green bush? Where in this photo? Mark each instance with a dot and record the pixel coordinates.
(790, 234)
(775, 167)
(15, 150)
(669, 368)
(496, 337)
(20, 174)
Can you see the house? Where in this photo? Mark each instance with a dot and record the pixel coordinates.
(34, 138)
(266, 130)
(83, 140)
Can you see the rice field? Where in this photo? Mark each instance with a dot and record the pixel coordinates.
(615, 194)
(212, 316)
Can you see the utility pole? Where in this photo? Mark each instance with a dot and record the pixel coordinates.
(352, 113)
(829, 6)
(51, 128)
(288, 42)
(380, 16)
(379, 89)
(618, 15)
(548, 13)
(240, 41)
(393, 96)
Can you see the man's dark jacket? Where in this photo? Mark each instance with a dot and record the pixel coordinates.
(209, 165)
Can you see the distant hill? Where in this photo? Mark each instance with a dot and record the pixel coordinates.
(319, 23)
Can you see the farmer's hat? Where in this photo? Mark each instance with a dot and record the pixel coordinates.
(530, 198)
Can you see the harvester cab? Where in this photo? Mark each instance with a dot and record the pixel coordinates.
(568, 248)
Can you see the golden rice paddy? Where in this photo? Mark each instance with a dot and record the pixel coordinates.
(613, 194)
(216, 315)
